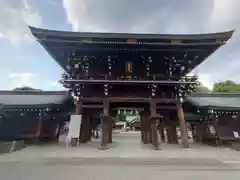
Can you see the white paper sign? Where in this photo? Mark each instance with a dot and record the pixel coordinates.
(74, 126)
(236, 134)
(212, 129)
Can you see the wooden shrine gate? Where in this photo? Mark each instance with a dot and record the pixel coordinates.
(108, 68)
(151, 123)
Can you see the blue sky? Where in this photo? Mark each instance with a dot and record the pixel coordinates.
(25, 62)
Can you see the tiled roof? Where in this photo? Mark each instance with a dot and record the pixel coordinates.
(32, 97)
(38, 31)
(215, 100)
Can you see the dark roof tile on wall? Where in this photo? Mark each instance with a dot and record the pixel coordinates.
(220, 100)
(32, 97)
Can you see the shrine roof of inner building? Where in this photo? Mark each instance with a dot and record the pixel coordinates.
(216, 101)
(32, 99)
(62, 45)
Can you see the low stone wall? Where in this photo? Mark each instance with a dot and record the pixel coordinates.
(10, 146)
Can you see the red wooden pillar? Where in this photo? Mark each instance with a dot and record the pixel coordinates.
(183, 128)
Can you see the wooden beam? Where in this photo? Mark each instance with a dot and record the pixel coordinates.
(123, 82)
(127, 99)
(94, 106)
(167, 107)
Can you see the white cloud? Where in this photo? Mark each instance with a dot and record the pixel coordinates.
(153, 16)
(225, 16)
(22, 79)
(31, 80)
(15, 15)
(157, 16)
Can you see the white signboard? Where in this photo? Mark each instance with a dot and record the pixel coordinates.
(74, 126)
(236, 134)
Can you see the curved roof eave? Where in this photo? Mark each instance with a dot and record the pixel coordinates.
(220, 35)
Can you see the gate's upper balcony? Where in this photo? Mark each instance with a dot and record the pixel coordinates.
(159, 55)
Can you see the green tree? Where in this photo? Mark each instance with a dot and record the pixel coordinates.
(26, 88)
(226, 86)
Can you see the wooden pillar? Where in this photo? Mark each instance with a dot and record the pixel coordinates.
(90, 128)
(169, 137)
(172, 134)
(148, 131)
(218, 141)
(110, 126)
(105, 125)
(144, 127)
(161, 130)
(183, 128)
(193, 132)
(153, 123)
(39, 129)
(79, 108)
(84, 130)
(200, 130)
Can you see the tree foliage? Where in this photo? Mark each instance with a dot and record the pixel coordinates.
(26, 88)
(226, 87)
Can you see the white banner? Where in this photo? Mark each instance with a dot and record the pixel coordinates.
(74, 126)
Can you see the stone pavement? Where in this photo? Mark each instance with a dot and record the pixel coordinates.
(36, 171)
(125, 145)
